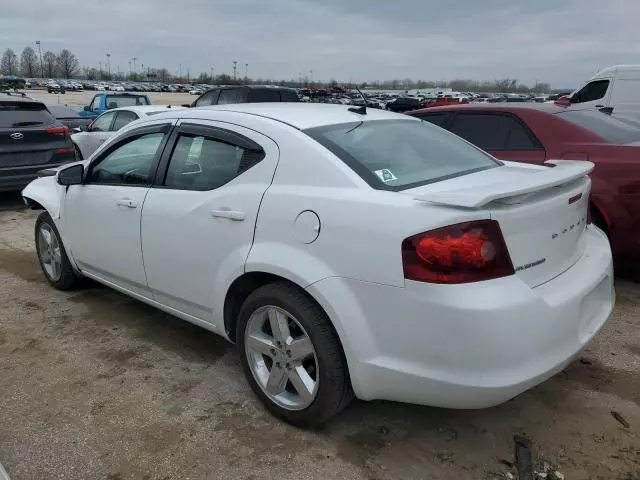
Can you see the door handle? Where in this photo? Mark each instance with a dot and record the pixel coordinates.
(126, 202)
(224, 212)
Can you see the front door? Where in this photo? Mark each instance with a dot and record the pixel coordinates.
(102, 215)
(198, 221)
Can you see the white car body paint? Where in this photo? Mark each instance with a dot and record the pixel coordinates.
(462, 346)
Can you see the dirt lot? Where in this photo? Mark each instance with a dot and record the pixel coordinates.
(95, 385)
(84, 98)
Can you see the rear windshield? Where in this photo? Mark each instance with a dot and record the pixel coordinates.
(603, 125)
(400, 154)
(60, 111)
(117, 101)
(24, 114)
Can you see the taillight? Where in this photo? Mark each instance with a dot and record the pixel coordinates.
(461, 253)
(63, 150)
(58, 131)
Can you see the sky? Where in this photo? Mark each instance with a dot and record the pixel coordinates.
(562, 42)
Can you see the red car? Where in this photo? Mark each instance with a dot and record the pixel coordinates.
(445, 102)
(534, 133)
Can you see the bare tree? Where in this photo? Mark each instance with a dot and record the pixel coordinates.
(68, 64)
(50, 61)
(29, 62)
(9, 62)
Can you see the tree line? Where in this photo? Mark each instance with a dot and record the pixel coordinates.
(66, 65)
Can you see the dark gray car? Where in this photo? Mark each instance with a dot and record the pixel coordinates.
(31, 139)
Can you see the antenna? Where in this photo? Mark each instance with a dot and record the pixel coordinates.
(360, 110)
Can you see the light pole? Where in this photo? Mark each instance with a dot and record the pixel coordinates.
(235, 63)
(246, 70)
(300, 78)
(311, 76)
(211, 75)
(109, 64)
(135, 69)
(40, 53)
(130, 68)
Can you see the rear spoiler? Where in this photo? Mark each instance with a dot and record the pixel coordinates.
(564, 171)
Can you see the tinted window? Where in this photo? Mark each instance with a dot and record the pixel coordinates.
(103, 122)
(489, 132)
(208, 98)
(128, 164)
(592, 91)
(438, 119)
(123, 118)
(260, 96)
(24, 114)
(520, 138)
(229, 96)
(117, 101)
(289, 96)
(603, 125)
(399, 154)
(201, 163)
(60, 111)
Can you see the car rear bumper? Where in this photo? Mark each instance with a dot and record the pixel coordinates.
(473, 345)
(16, 178)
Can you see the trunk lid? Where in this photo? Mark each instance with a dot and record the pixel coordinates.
(542, 211)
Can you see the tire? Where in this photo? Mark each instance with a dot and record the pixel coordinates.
(332, 387)
(67, 278)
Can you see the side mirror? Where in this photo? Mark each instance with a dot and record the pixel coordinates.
(77, 130)
(71, 175)
(86, 108)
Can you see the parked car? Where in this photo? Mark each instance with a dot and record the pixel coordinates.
(196, 91)
(87, 140)
(54, 87)
(102, 102)
(535, 133)
(343, 252)
(245, 94)
(403, 104)
(616, 88)
(30, 139)
(68, 116)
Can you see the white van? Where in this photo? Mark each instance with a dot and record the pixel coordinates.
(614, 87)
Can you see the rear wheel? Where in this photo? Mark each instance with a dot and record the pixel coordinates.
(51, 254)
(291, 356)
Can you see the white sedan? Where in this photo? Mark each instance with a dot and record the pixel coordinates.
(346, 251)
(106, 125)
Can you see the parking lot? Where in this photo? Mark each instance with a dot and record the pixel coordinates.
(97, 385)
(80, 99)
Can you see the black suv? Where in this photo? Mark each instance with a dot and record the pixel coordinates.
(404, 104)
(31, 139)
(245, 94)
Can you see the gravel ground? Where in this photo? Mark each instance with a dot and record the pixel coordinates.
(84, 98)
(96, 385)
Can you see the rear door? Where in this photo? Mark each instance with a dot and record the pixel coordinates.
(198, 220)
(123, 117)
(503, 135)
(98, 133)
(29, 135)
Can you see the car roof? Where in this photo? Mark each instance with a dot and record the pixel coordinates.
(501, 106)
(298, 115)
(146, 108)
(16, 97)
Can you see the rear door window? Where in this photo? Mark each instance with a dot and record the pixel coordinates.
(592, 91)
(208, 98)
(122, 119)
(103, 122)
(263, 96)
(489, 132)
(229, 96)
(438, 119)
(24, 114)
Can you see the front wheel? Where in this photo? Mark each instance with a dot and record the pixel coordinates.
(51, 254)
(292, 356)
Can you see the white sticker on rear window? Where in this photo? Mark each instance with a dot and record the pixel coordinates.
(385, 175)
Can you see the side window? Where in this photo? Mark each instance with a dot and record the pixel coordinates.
(489, 132)
(438, 119)
(103, 122)
(202, 163)
(208, 98)
(591, 91)
(263, 96)
(123, 118)
(95, 104)
(128, 164)
(520, 138)
(229, 96)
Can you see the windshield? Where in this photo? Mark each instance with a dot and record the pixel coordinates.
(603, 125)
(400, 154)
(24, 114)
